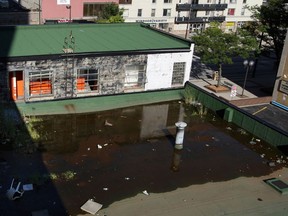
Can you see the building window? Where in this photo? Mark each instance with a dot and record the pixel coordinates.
(207, 13)
(233, 1)
(244, 1)
(231, 11)
(167, 1)
(139, 14)
(166, 12)
(153, 11)
(125, 12)
(40, 83)
(208, 1)
(163, 26)
(134, 76)
(243, 11)
(87, 80)
(178, 73)
(92, 10)
(153, 1)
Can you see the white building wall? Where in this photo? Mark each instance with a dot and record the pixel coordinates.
(159, 69)
(131, 11)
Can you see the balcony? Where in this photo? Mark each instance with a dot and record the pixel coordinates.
(203, 7)
(181, 20)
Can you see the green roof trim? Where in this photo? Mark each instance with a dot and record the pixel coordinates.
(42, 40)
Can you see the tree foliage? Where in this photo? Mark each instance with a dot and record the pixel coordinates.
(111, 14)
(270, 24)
(217, 47)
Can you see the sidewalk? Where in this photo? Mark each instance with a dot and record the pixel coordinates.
(241, 196)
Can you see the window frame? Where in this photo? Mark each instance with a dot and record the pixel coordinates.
(153, 12)
(135, 76)
(84, 84)
(40, 83)
(139, 13)
(168, 12)
(230, 10)
(178, 73)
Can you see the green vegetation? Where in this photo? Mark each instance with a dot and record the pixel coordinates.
(111, 14)
(270, 25)
(189, 95)
(217, 47)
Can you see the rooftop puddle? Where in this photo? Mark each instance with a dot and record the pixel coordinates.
(111, 155)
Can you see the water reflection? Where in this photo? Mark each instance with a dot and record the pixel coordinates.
(64, 133)
(120, 153)
(176, 160)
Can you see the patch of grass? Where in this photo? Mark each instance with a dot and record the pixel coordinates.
(68, 175)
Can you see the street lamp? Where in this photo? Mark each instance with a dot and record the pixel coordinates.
(69, 7)
(248, 65)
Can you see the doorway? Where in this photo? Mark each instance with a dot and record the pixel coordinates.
(16, 84)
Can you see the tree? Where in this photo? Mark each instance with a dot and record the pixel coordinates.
(270, 24)
(217, 47)
(111, 14)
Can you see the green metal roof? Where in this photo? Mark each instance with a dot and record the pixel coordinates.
(41, 40)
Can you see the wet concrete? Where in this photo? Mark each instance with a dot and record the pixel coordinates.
(119, 153)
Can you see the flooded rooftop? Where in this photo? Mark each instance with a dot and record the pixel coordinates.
(111, 155)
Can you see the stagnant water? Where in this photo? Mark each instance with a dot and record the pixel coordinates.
(111, 155)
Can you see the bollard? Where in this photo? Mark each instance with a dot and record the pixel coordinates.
(179, 135)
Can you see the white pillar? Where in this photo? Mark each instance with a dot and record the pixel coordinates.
(179, 134)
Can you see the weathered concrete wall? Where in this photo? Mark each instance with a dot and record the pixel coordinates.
(111, 74)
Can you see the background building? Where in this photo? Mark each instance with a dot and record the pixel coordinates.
(280, 92)
(182, 16)
(65, 10)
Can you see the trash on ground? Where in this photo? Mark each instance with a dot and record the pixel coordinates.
(271, 164)
(91, 207)
(99, 146)
(105, 189)
(14, 193)
(108, 124)
(127, 178)
(145, 192)
(28, 187)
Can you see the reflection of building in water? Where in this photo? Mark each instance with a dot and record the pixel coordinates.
(157, 119)
(66, 133)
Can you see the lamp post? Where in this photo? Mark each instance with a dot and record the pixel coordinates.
(189, 16)
(248, 65)
(69, 7)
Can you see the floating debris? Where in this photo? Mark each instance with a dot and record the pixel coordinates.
(91, 207)
(108, 124)
(252, 142)
(99, 146)
(28, 187)
(127, 178)
(105, 189)
(271, 164)
(145, 192)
